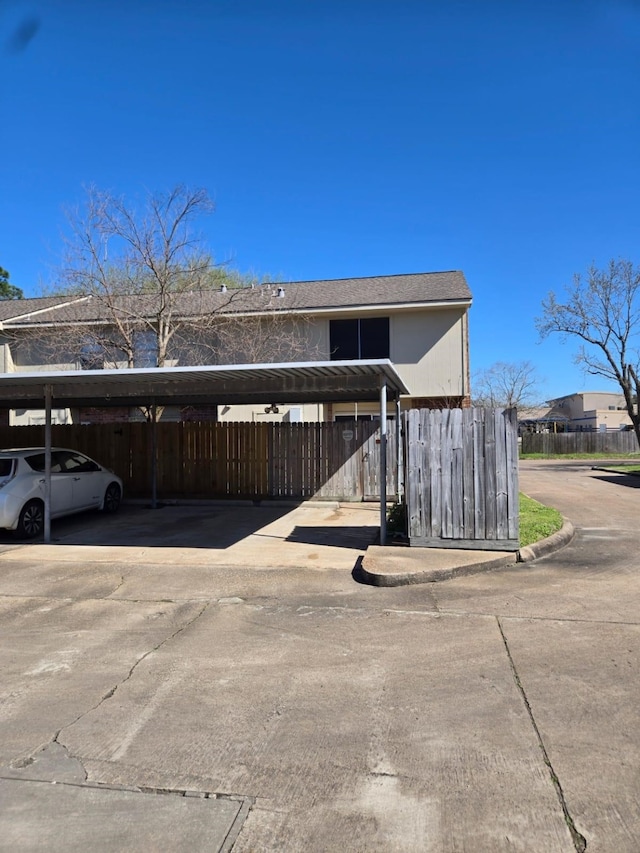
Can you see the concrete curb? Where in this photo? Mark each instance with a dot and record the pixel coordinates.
(392, 566)
(373, 573)
(549, 545)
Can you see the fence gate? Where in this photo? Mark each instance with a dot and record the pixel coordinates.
(461, 478)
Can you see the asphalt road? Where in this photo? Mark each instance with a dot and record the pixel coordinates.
(300, 710)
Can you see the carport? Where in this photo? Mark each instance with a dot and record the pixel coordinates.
(297, 382)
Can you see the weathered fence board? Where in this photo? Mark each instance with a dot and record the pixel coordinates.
(237, 460)
(552, 444)
(462, 478)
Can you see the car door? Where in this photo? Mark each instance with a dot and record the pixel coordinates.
(85, 477)
(61, 485)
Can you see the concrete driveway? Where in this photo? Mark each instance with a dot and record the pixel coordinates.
(199, 706)
(310, 535)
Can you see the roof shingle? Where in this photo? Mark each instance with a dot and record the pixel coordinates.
(410, 289)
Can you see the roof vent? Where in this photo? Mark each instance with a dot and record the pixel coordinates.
(280, 293)
(223, 288)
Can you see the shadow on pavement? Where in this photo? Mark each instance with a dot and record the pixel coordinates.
(214, 527)
(628, 480)
(340, 537)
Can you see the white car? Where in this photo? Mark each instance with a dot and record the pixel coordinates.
(77, 483)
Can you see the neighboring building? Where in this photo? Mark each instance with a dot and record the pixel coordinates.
(541, 420)
(418, 321)
(590, 410)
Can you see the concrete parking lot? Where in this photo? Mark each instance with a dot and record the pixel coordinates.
(310, 535)
(181, 702)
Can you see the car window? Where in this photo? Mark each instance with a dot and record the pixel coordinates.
(6, 468)
(37, 462)
(76, 463)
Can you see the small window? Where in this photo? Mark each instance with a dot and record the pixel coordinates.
(145, 349)
(344, 341)
(356, 418)
(355, 339)
(91, 357)
(374, 337)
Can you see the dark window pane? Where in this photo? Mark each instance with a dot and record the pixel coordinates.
(6, 468)
(145, 346)
(374, 337)
(36, 462)
(343, 335)
(91, 357)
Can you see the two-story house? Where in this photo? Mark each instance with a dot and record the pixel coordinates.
(418, 321)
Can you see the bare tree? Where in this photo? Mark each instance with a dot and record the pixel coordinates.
(602, 310)
(144, 292)
(507, 385)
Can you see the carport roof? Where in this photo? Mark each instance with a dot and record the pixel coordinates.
(299, 382)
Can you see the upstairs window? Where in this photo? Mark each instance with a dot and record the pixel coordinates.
(145, 346)
(91, 357)
(354, 339)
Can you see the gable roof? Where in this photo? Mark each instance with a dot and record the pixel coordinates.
(411, 290)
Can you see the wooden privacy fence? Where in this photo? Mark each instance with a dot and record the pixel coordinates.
(552, 444)
(232, 460)
(462, 478)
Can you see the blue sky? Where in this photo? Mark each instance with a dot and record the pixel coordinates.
(341, 138)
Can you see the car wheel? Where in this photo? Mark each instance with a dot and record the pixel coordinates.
(31, 521)
(112, 498)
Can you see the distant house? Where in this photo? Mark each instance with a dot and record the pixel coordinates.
(590, 410)
(542, 419)
(418, 321)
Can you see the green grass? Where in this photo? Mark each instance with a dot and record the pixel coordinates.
(537, 521)
(625, 469)
(561, 456)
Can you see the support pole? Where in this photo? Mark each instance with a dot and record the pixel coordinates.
(154, 456)
(48, 393)
(383, 461)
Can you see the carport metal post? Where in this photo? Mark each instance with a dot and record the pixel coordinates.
(154, 455)
(383, 461)
(48, 392)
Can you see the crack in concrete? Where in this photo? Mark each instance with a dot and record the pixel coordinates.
(579, 841)
(118, 586)
(111, 692)
(526, 618)
(31, 597)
